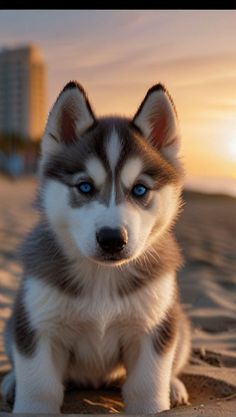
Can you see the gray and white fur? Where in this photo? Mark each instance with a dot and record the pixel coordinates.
(99, 299)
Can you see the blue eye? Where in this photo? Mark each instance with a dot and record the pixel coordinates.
(85, 187)
(139, 190)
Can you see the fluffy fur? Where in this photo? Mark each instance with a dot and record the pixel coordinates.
(88, 311)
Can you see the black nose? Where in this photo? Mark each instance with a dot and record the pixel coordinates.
(112, 240)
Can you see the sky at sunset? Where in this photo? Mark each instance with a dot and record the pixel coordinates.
(118, 55)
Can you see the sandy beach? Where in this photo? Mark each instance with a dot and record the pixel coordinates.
(206, 231)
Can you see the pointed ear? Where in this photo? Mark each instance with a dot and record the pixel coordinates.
(157, 120)
(70, 116)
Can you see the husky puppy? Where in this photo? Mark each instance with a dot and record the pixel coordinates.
(99, 298)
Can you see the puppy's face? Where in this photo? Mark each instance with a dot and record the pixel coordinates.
(108, 190)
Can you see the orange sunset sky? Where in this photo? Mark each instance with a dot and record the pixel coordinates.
(118, 55)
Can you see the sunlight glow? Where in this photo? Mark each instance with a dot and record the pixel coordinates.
(231, 149)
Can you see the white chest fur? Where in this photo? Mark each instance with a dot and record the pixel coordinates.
(92, 326)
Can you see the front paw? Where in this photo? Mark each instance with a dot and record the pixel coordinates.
(178, 393)
(147, 407)
(32, 407)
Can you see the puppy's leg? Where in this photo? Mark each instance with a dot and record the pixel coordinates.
(178, 393)
(8, 387)
(147, 388)
(39, 387)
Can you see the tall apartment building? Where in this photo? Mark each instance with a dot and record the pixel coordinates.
(22, 92)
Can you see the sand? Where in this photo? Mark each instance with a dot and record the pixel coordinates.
(206, 230)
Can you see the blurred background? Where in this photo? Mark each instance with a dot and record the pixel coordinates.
(117, 55)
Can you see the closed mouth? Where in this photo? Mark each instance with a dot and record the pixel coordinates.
(112, 258)
(107, 258)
